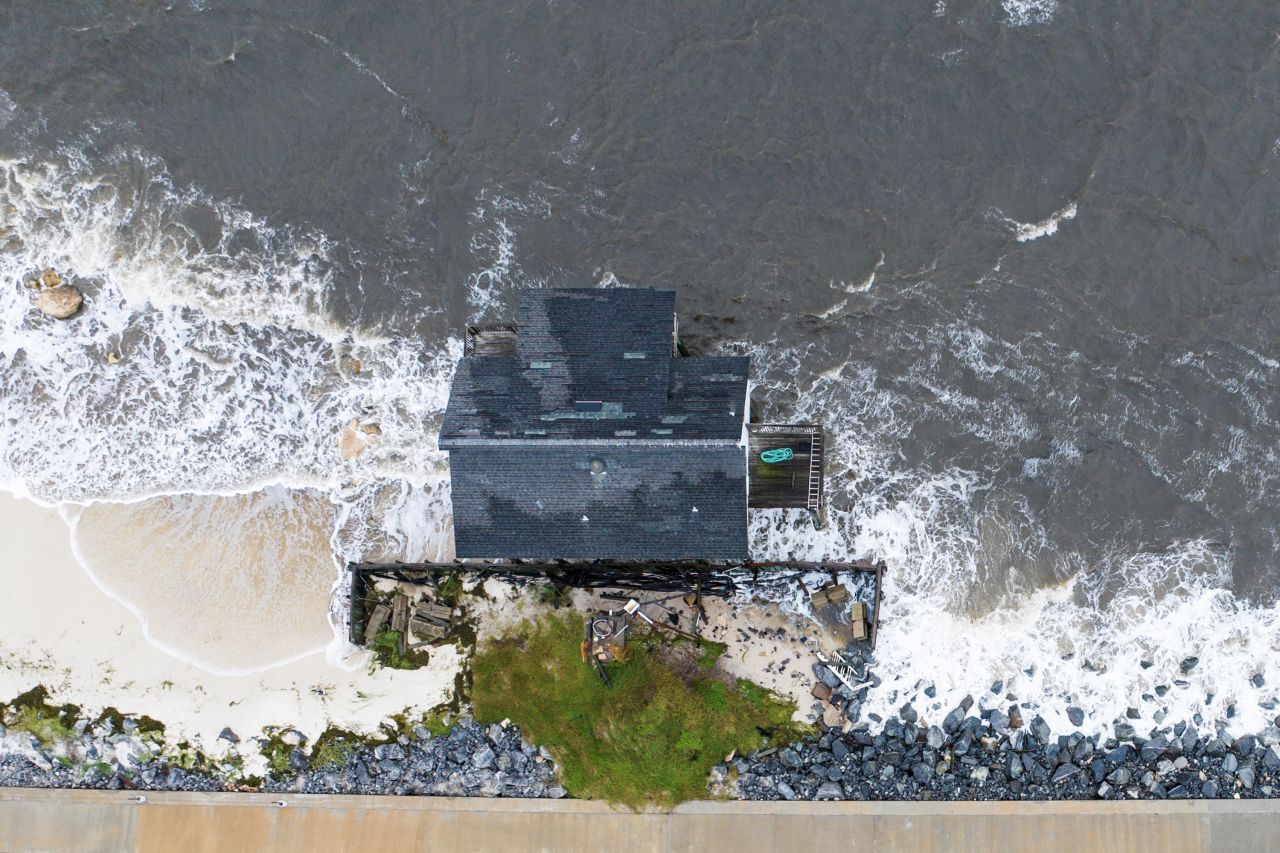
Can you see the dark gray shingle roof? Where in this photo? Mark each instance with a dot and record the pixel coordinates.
(608, 346)
(545, 502)
(593, 380)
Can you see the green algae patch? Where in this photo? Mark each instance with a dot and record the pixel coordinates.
(651, 738)
(32, 713)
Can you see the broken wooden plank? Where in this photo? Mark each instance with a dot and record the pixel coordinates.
(376, 620)
(399, 613)
(437, 611)
(830, 594)
(858, 617)
(423, 628)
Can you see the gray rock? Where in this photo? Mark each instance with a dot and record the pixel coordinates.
(228, 735)
(999, 720)
(1154, 748)
(484, 758)
(922, 772)
(908, 713)
(935, 738)
(1247, 775)
(1189, 664)
(298, 759)
(1119, 777)
(786, 791)
(1040, 729)
(1230, 763)
(979, 774)
(61, 302)
(1209, 789)
(829, 791)
(1124, 731)
(952, 721)
(1064, 772)
(826, 676)
(1075, 715)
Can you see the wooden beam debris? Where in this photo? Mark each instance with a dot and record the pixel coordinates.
(376, 620)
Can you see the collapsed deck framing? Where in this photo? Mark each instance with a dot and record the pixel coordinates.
(700, 577)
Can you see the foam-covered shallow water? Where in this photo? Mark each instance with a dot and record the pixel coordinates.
(1019, 258)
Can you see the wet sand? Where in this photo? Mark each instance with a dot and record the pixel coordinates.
(88, 648)
(233, 584)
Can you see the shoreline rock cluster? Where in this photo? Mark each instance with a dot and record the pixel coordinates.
(471, 760)
(992, 754)
(54, 297)
(969, 754)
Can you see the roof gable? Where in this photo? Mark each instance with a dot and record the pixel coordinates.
(595, 365)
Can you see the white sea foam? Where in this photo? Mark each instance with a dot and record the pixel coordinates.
(1078, 641)
(1023, 13)
(493, 242)
(195, 404)
(1047, 227)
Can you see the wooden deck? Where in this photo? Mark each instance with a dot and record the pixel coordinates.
(794, 482)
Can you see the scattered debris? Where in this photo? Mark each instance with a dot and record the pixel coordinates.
(605, 641)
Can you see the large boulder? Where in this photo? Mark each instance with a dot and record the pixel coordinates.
(61, 302)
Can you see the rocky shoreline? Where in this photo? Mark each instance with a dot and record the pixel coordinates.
(471, 760)
(994, 754)
(466, 760)
(969, 754)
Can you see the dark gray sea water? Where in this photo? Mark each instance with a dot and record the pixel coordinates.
(1021, 257)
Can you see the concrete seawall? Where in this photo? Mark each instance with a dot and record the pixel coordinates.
(83, 821)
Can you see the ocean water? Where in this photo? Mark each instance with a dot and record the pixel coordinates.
(1020, 257)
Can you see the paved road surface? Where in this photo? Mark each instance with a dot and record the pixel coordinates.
(110, 821)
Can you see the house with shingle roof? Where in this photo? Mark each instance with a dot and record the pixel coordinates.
(579, 432)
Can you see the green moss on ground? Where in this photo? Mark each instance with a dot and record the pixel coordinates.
(386, 651)
(276, 751)
(651, 738)
(334, 747)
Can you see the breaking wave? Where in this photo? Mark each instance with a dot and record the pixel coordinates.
(976, 591)
(203, 364)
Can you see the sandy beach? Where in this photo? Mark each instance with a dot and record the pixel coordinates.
(84, 638)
